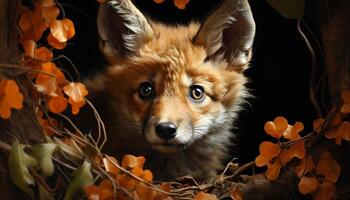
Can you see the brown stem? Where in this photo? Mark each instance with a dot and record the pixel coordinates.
(313, 71)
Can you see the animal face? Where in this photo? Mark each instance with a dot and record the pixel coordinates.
(174, 85)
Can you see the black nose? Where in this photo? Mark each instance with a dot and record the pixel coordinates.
(166, 130)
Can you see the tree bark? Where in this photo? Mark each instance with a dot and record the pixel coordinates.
(23, 124)
(332, 19)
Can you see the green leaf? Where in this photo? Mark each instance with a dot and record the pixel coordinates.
(82, 177)
(43, 154)
(292, 9)
(19, 162)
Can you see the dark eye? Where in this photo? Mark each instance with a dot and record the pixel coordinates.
(146, 90)
(197, 92)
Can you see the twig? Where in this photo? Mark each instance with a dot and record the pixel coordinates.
(64, 164)
(313, 71)
(79, 11)
(240, 170)
(100, 125)
(227, 167)
(199, 187)
(61, 8)
(26, 69)
(41, 180)
(5, 146)
(71, 123)
(287, 144)
(72, 65)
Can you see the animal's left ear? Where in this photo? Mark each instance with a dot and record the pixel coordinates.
(123, 29)
(229, 31)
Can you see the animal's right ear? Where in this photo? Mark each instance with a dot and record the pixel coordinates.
(122, 29)
(229, 32)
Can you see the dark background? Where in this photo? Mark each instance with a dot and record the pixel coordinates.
(279, 73)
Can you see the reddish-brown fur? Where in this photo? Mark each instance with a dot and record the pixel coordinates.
(172, 61)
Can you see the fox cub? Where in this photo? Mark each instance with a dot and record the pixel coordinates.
(171, 93)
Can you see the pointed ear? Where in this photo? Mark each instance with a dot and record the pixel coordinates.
(229, 31)
(122, 29)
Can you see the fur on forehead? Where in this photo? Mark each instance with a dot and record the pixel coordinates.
(172, 46)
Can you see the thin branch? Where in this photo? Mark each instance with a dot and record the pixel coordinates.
(100, 125)
(64, 164)
(313, 72)
(5, 146)
(240, 170)
(76, 71)
(26, 69)
(41, 181)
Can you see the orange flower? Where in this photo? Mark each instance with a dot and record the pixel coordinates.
(268, 156)
(144, 174)
(306, 166)
(62, 30)
(76, 93)
(102, 192)
(276, 127)
(165, 187)
(76, 105)
(55, 43)
(127, 182)
(57, 104)
(47, 3)
(158, 1)
(307, 185)
(130, 161)
(268, 151)
(292, 133)
(181, 4)
(204, 196)
(10, 97)
(279, 126)
(337, 119)
(328, 168)
(28, 46)
(325, 191)
(236, 193)
(295, 150)
(43, 54)
(49, 84)
(50, 13)
(135, 165)
(31, 22)
(273, 171)
(342, 132)
(321, 187)
(317, 124)
(144, 192)
(346, 102)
